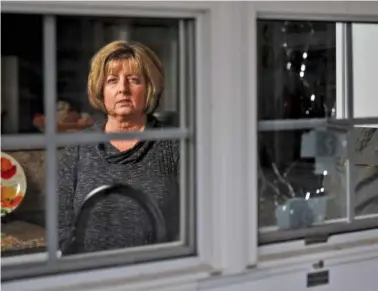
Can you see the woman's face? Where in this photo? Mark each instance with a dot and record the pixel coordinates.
(124, 89)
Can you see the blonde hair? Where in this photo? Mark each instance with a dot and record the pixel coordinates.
(142, 59)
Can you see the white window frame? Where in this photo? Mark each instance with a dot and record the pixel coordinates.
(296, 251)
(223, 200)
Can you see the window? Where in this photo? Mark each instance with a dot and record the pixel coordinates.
(317, 129)
(46, 80)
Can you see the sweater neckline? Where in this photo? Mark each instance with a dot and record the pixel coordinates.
(114, 156)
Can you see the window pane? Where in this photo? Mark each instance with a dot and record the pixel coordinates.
(365, 60)
(302, 69)
(21, 72)
(296, 69)
(124, 217)
(22, 202)
(366, 169)
(300, 173)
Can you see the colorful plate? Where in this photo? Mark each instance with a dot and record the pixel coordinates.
(13, 184)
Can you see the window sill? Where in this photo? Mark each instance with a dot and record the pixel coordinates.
(158, 275)
(338, 246)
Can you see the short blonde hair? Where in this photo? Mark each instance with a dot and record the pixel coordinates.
(145, 62)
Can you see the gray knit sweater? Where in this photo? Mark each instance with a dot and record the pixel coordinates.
(116, 221)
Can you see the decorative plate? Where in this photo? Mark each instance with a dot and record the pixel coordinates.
(13, 184)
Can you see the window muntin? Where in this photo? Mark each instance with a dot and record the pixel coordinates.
(181, 80)
(298, 107)
(300, 173)
(296, 60)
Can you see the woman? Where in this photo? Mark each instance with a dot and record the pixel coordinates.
(125, 82)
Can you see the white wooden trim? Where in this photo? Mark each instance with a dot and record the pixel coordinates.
(123, 278)
(303, 264)
(166, 9)
(335, 242)
(341, 88)
(313, 10)
(230, 181)
(335, 256)
(250, 150)
(203, 113)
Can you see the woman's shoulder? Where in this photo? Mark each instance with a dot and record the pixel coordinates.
(161, 122)
(73, 152)
(172, 146)
(168, 150)
(77, 148)
(69, 151)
